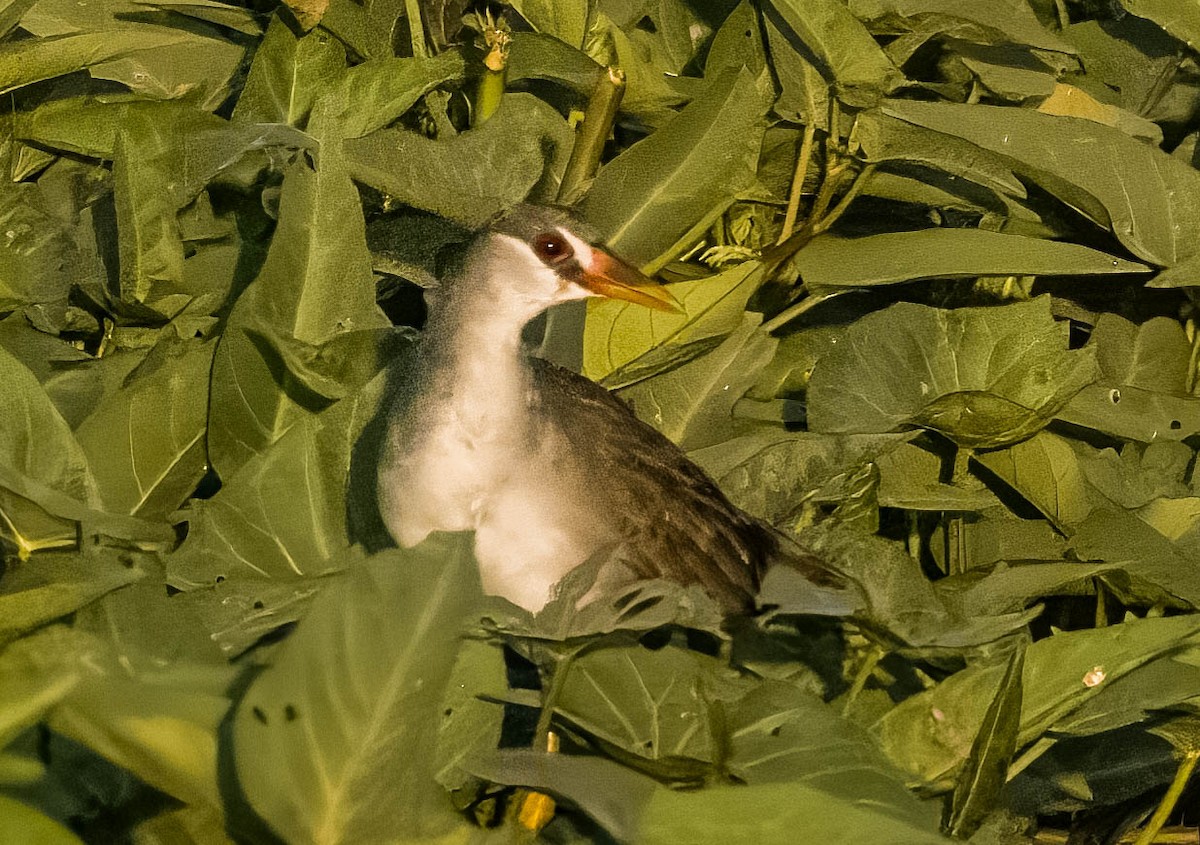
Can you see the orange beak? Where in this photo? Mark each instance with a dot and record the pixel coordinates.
(609, 276)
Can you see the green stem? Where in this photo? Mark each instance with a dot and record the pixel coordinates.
(1167, 805)
(591, 135)
(416, 29)
(865, 670)
(793, 206)
(1101, 618)
(802, 307)
(541, 734)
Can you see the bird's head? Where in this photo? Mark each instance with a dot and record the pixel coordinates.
(535, 257)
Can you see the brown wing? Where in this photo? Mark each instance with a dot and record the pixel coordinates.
(676, 522)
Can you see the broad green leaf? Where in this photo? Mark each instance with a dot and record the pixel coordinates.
(160, 726)
(773, 814)
(566, 20)
(201, 69)
(51, 585)
(37, 672)
(222, 14)
(886, 139)
(1162, 684)
(150, 244)
(1047, 471)
(471, 719)
(977, 790)
(11, 13)
(738, 43)
(861, 72)
(282, 515)
(333, 742)
(981, 376)
(1180, 19)
(371, 95)
(145, 443)
(896, 602)
(1152, 356)
(35, 441)
(1130, 413)
(1006, 588)
(911, 478)
(1126, 60)
(804, 95)
(830, 261)
(1013, 83)
(930, 734)
(21, 823)
(1148, 199)
(316, 283)
(288, 74)
(781, 734)
(1154, 568)
(193, 824)
(34, 60)
(537, 56)
(618, 333)
(478, 173)
(693, 404)
(650, 705)
(34, 259)
(647, 198)
(1006, 21)
(773, 473)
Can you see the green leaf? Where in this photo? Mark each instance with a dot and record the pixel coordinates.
(479, 173)
(647, 198)
(1163, 684)
(693, 404)
(35, 441)
(257, 550)
(977, 790)
(1152, 356)
(371, 95)
(34, 260)
(738, 43)
(981, 376)
(223, 14)
(316, 283)
(930, 734)
(37, 672)
(1180, 19)
(830, 261)
(1157, 569)
(145, 443)
(861, 72)
(52, 584)
(617, 334)
(1003, 22)
(288, 74)
(566, 21)
(886, 139)
(26, 62)
(773, 473)
(1047, 471)
(332, 742)
(772, 814)
(1146, 198)
(1130, 413)
(469, 724)
(22, 823)
(534, 55)
(650, 705)
(1008, 588)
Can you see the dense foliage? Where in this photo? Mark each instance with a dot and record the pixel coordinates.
(937, 263)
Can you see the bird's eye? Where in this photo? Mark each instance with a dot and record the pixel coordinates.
(552, 248)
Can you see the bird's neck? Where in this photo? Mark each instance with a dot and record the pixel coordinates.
(477, 355)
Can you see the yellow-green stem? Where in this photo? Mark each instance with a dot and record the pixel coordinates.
(416, 29)
(793, 206)
(865, 670)
(1167, 805)
(591, 135)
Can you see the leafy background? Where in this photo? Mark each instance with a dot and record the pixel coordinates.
(937, 265)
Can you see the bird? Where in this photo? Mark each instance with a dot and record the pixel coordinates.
(548, 468)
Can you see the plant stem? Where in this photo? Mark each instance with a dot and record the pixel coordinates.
(497, 39)
(793, 206)
(416, 28)
(865, 670)
(1167, 805)
(541, 734)
(802, 307)
(591, 134)
(1101, 619)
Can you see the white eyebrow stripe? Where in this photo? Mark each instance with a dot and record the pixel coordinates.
(582, 249)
